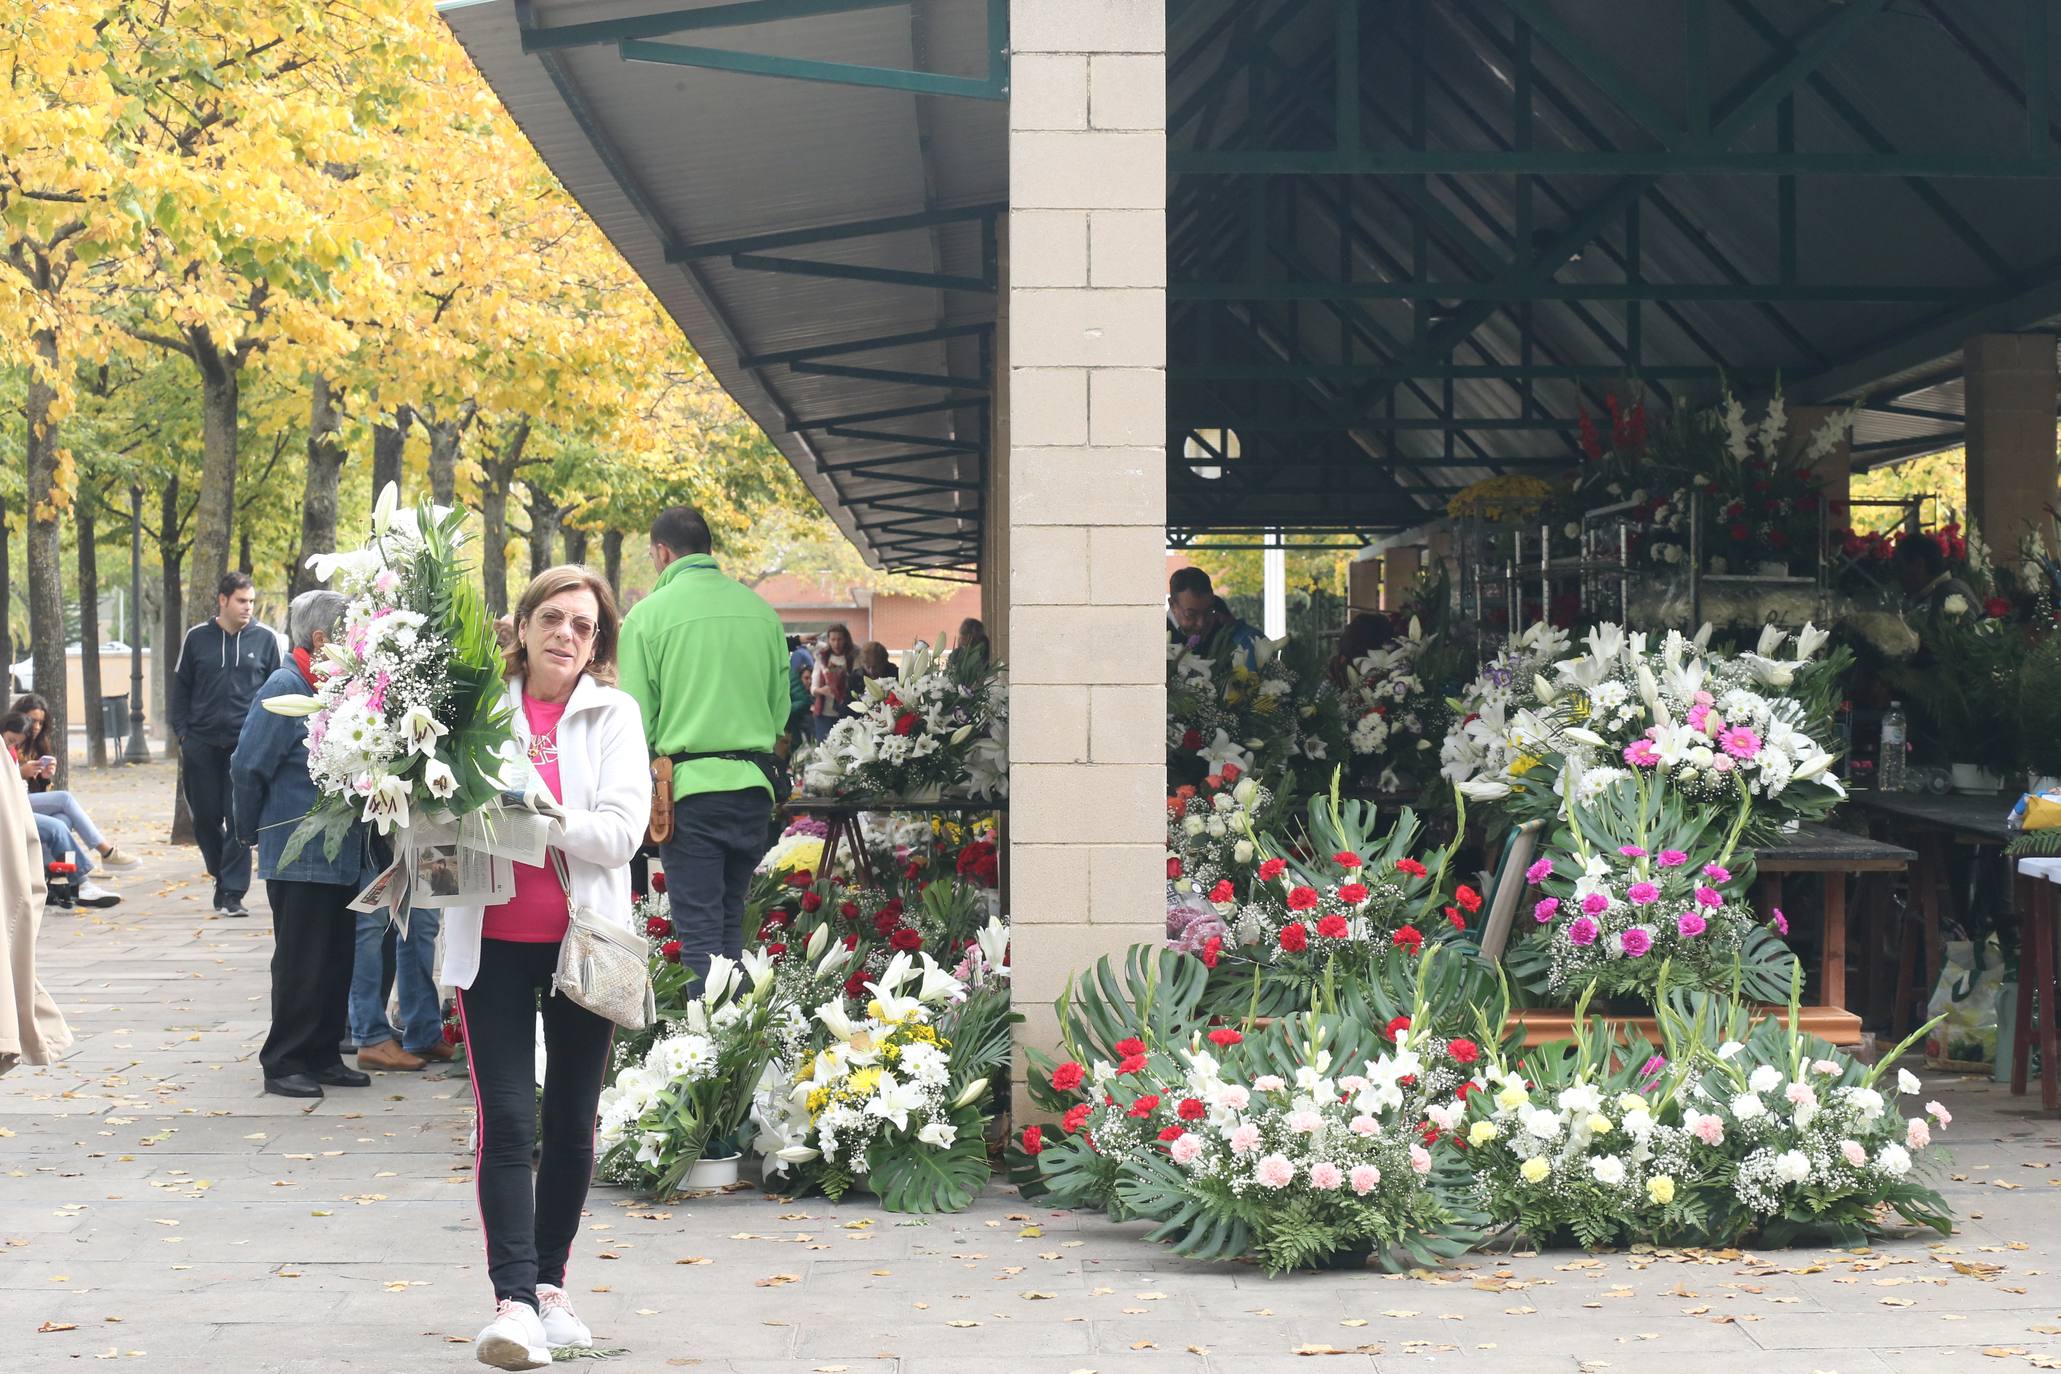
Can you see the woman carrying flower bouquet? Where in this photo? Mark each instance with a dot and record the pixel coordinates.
(584, 741)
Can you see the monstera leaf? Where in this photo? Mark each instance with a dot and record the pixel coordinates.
(908, 1176)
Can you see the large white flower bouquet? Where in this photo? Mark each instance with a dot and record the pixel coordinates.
(1716, 728)
(885, 1104)
(408, 713)
(940, 729)
(1485, 751)
(1227, 720)
(690, 1092)
(1396, 720)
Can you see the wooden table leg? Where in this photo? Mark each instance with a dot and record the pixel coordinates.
(2044, 978)
(2021, 1028)
(1832, 969)
(1870, 901)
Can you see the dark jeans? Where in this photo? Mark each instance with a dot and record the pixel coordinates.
(718, 839)
(530, 1224)
(209, 798)
(314, 932)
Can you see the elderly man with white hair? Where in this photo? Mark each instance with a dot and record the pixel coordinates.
(313, 928)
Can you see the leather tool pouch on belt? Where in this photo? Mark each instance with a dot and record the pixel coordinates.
(661, 828)
(772, 765)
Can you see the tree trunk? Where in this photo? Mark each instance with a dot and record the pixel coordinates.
(46, 526)
(89, 634)
(544, 517)
(170, 555)
(445, 436)
(499, 469)
(388, 443)
(575, 544)
(612, 561)
(212, 520)
(6, 595)
(318, 501)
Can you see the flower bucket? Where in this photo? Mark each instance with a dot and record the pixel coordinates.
(710, 1172)
(1974, 778)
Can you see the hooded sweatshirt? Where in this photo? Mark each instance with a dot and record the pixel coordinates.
(218, 675)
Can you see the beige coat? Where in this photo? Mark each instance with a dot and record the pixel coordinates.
(32, 1029)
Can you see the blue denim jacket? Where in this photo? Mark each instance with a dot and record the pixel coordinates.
(273, 791)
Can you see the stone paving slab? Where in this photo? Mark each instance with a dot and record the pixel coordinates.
(343, 1236)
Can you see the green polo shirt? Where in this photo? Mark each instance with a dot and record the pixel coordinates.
(706, 660)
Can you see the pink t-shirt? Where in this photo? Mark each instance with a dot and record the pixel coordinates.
(536, 914)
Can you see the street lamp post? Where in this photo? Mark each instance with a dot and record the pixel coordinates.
(138, 748)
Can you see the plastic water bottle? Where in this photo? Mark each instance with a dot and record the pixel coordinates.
(1889, 769)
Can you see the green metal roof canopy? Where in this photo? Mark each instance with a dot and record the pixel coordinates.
(1409, 240)
(774, 170)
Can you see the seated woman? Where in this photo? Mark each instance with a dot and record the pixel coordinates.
(55, 835)
(38, 764)
(1363, 634)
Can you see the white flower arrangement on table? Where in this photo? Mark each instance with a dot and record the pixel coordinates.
(882, 1105)
(1716, 728)
(408, 713)
(1488, 747)
(1274, 1154)
(940, 729)
(1212, 836)
(1226, 719)
(1394, 723)
(690, 1091)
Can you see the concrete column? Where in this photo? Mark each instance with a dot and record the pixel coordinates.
(2011, 397)
(1362, 586)
(1835, 468)
(1399, 570)
(1086, 481)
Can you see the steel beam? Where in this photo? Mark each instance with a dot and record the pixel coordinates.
(810, 69)
(886, 436)
(867, 345)
(728, 16)
(1690, 162)
(1202, 291)
(896, 460)
(845, 271)
(833, 233)
(891, 376)
(860, 417)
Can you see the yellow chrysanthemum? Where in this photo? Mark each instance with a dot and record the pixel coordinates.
(864, 1082)
(1523, 764)
(1535, 1169)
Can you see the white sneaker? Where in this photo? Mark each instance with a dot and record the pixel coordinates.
(562, 1326)
(119, 860)
(514, 1339)
(93, 894)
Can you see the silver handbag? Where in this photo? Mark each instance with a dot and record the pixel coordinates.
(603, 965)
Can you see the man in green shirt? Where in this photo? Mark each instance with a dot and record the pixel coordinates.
(706, 660)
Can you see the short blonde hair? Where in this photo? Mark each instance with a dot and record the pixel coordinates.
(567, 577)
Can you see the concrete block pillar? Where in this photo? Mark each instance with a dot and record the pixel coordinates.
(2012, 389)
(1086, 489)
(1399, 570)
(1362, 586)
(1835, 468)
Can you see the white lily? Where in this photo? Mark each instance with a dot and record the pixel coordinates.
(993, 939)
(438, 778)
(292, 705)
(722, 976)
(422, 730)
(1771, 637)
(831, 1014)
(387, 806)
(384, 508)
(818, 938)
(894, 1100)
(1809, 640)
(758, 965)
(959, 735)
(1582, 736)
(1482, 789)
(796, 1154)
(970, 1094)
(937, 984)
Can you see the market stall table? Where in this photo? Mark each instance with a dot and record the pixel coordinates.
(841, 816)
(1831, 853)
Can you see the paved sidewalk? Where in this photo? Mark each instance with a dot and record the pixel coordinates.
(156, 1207)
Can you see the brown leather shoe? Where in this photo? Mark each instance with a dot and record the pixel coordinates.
(389, 1055)
(439, 1052)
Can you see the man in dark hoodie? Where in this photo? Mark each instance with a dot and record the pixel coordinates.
(221, 666)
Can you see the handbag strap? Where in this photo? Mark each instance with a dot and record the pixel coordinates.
(558, 867)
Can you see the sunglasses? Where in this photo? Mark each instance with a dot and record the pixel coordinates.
(551, 620)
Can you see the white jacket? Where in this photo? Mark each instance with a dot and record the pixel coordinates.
(604, 783)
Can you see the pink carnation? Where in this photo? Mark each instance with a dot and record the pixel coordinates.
(1917, 1134)
(1540, 870)
(1420, 1159)
(1689, 925)
(1269, 1083)
(1710, 1130)
(1779, 922)
(1325, 1176)
(1800, 1094)
(1582, 932)
(1275, 1171)
(1546, 910)
(1631, 851)
(1717, 873)
(1365, 1178)
(1940, 1113)
(1853, 1153)
(1708, 896)
(1186, 1149)
(1642, 894)
(1364, 1126)
(1636, 942)
(1672, 858)
(1244, 1139)
(1595, 904)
